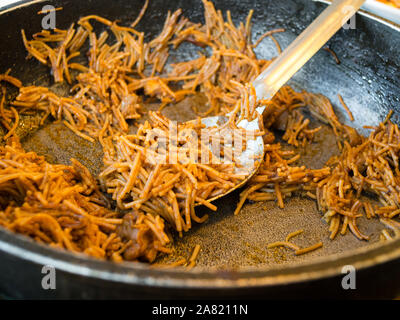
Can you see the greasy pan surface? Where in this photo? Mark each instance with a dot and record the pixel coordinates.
(234, 259)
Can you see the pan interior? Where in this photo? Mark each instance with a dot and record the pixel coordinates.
(228, 241)
(365, 78)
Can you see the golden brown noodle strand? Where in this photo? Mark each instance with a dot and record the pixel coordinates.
(49, 10)
(346, 107)
(141, 14)
(333, 54)
(283, 244)
(293, 234)
(195, 252)
(309, 249)
(14, 81)
(15, 126)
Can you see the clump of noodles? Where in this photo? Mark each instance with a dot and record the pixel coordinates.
(165, 175)
(369, 167)
(62, 206)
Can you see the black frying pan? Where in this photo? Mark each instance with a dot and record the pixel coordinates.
(234, 261)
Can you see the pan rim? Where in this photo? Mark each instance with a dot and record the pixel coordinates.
(136, 273)
(370, 15)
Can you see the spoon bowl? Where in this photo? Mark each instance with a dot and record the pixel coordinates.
(268, 83)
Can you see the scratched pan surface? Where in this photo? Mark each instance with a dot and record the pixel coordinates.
(234, 260)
